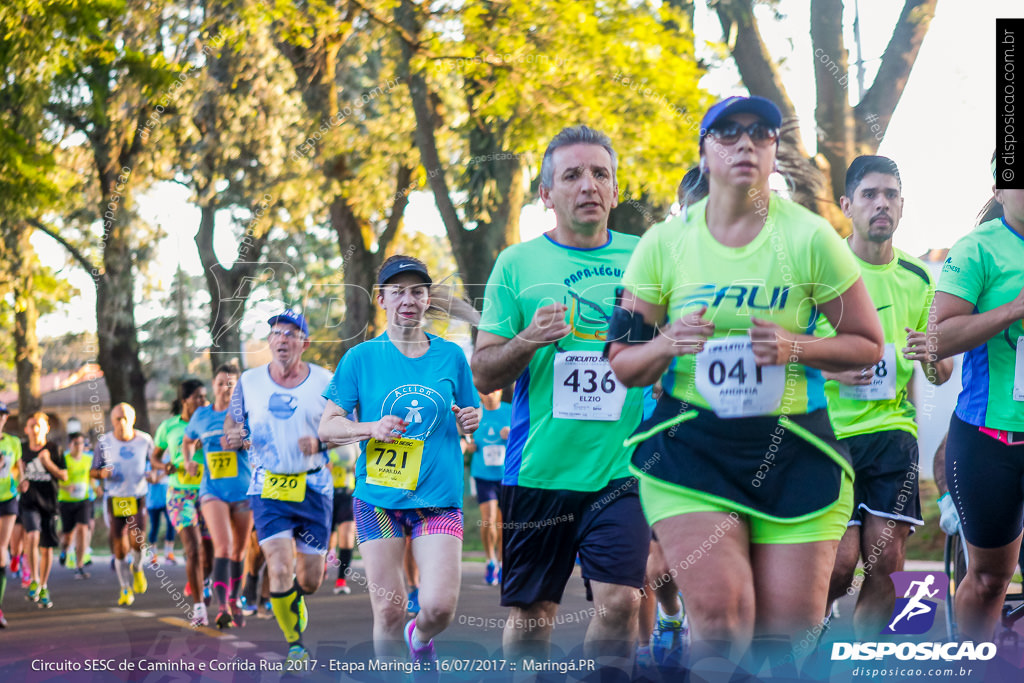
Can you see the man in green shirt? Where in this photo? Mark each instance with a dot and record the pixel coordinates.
(566, 487)
(75, 502)
(868, 406)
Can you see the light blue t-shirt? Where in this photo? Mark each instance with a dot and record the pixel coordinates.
(490, 447)
(207, 425)
(379, 380)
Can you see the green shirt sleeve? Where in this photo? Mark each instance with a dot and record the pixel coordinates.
(161, 436)
(834, 267)
(963, 274)
(502, 314)
(644, 274)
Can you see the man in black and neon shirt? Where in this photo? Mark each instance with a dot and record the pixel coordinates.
(868, 406)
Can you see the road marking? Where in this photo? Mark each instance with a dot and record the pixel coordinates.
(243, 644)
(206, 630)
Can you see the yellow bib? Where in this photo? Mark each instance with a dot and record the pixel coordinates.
(124, 507)
(223, 464)
(395, 464)
(287, 487)
(186, 480)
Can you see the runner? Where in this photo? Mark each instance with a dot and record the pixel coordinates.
(409, 473)
(278, 406)
(342, 463)
(44, 467)
(979, 310)
(121, 456)
(751, 457)
(75, 501)
(486, 447)
(156, 510)
(10, 479)
(567, 487)
(222, 494)
(183, 495)
(868, 406)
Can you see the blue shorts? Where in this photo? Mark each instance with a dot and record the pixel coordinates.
(308, 522)
(486, 490)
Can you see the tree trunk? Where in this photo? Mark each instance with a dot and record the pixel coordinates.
(21, 263)
(833, 113)
(115, 303)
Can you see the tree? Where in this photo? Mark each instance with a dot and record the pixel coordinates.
(844, 131)
(238, 123)
(131, 59)
(524, 70)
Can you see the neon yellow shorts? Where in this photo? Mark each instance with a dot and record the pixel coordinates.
(661, 500)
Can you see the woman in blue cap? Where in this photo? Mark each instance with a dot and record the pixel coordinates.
(740, 474)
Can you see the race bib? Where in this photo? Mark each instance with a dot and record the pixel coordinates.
(585, 388)
(77, 491)
(494, 456)
(185, 480)
(733, 384)
(124, 507)
(5, 467)
(287, 487)
(395, 464)
(223, 464)
(340, 476)
(883, 381)
(1018, 372)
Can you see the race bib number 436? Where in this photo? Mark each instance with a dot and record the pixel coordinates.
(585, 388)
(733, 384)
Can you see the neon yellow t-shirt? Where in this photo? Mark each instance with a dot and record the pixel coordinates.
(902, 291)
(795, 263)
(77, 487)
(10, 453)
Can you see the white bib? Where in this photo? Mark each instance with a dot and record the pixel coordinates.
(883, 380)
(733, 384)
(494, 456)
(1018, 372)
(585, 388)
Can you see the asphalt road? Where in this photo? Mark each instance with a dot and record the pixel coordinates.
(86, 637)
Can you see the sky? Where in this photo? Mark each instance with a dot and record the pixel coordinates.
(943, 132)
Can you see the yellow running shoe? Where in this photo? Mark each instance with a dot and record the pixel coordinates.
(127, 597)
(139, 583)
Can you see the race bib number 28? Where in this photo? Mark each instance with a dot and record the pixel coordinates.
(733, 384)
(585, 388)
(883, 380)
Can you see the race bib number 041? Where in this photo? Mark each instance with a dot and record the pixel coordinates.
(395, 464)
(733, 384)
(883, 380)
(585, 388)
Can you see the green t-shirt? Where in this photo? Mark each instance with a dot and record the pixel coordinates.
(794, 263)
(169, 436)
(902, 291)
(77, 487)
(10, 453)
(986, 268)
(579, 448)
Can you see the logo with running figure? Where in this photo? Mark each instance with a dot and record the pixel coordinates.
(422, 407)
(915, 611)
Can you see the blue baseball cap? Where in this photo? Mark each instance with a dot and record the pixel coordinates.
(292, 318)
(4, 410)
(759, 106)
(403, 265)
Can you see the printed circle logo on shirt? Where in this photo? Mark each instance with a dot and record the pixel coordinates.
(126, 453)
(282, 406)
(420, 406)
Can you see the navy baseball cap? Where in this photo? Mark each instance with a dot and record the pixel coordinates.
(759, 106)
(292, 318)
(403, 265)
(4, 410)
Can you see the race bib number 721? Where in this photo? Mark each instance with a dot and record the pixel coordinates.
(585, 388)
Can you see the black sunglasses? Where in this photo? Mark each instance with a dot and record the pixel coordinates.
(728, 132)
